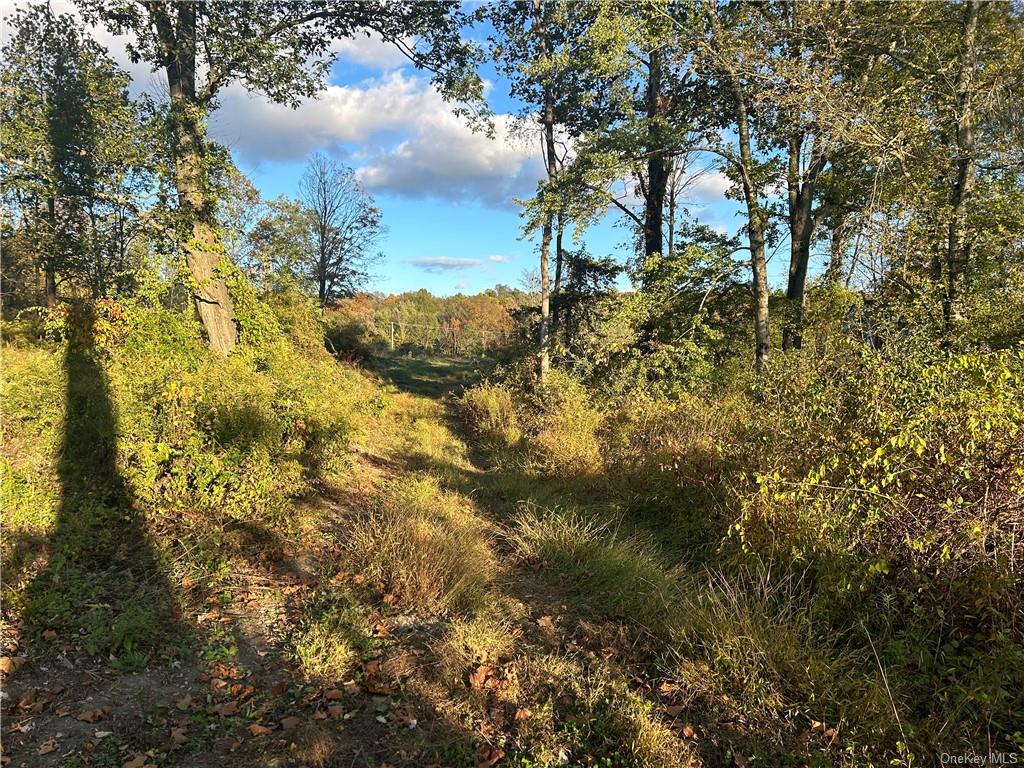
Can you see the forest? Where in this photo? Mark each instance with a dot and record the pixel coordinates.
(689, 484)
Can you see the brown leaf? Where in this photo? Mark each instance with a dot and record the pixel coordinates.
(279, 688)
(335, 710)
(48, 746)
(488, 756)
(290, 723)
(358, 578)
(138, 761)
(333, 695)
(389, 599)
(258, 730)
(523, 714)
(479, 677)
(688, 732)
(178, 736)
(352, 686)
(49, 634)
(546, 623)
(226, 709)
(92, 715)
(673, 711)
(10, 664)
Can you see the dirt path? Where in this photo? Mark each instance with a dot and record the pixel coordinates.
(425, 686)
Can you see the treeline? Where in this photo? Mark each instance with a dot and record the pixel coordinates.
(479, 324)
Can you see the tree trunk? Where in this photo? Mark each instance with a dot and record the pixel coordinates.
(50, 274)
(559, 260)
(548, 122)
(203, 251)
(755, 231)
(966, 167)
(801, 229)
(657, 168)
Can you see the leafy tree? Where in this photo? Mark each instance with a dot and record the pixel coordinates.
(73, 149)
(281, 49)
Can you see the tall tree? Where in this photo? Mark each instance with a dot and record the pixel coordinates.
(72, 153)
(344, 228)
(278, 48)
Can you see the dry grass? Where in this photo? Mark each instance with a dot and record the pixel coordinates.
(427, 545)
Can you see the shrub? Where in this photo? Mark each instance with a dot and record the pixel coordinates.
(564, 427)
(491, 412)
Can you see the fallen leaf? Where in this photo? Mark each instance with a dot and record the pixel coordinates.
(138, 761)
(10, 664)
(352, 686)
(523, 714)
(226, 709)
(479, 677)
(389, 599)
(546, 623)
(49, 634)
(92, 715)
(178, 736)
(103, 734)
(358, 578)
(488, 756)
(279, 688)
(290, 723)
(258, 730)
(48, 746)
(688, 732)
(335, 710)
(674, 711)
(333, 695)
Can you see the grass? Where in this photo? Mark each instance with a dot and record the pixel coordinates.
(428, 375)
(426, 545)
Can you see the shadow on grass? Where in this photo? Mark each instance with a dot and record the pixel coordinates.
(431, 375)
(103, 584)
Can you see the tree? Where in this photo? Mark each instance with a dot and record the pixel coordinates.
(73, 167)
(344, 228)
(724, 50)
(278, 48)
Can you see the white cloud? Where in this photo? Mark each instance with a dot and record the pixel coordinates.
(407, 140)
(438, 264)
(706, 186)
(369, 50)
(261, 130)
(497, 258)
(461, 286)
(444, 158)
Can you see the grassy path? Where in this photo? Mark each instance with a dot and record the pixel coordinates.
(424, 613)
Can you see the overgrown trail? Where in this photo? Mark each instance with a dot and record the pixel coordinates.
(402, 621)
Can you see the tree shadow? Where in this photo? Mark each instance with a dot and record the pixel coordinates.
(431, 376)
(103, 588)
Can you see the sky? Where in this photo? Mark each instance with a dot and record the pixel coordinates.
(446, 194)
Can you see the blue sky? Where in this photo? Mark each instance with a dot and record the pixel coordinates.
(446, 193)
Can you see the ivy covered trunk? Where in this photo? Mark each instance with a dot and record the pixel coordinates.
(197, 205)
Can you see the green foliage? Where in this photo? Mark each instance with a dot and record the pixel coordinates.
(133, 441)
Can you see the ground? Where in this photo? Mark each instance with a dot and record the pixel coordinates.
(308, 662)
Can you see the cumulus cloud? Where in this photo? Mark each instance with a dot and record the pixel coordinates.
(369, 50)
(438, 264)
(443, 158)
(343, 114)
(707, 186)
(405, 138)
